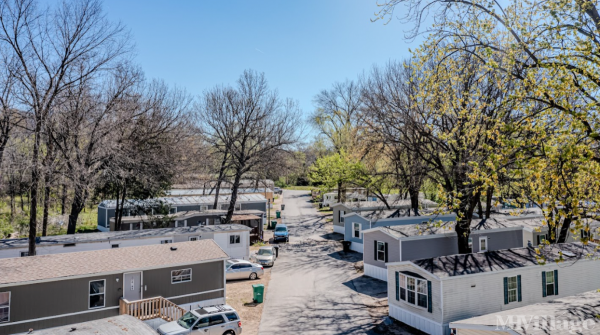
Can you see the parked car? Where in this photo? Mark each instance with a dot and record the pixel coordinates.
(265, 256)
(241, 269)
(219, 319)
(278, 190)
(281, 233)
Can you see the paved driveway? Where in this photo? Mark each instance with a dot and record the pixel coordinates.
(312, 284)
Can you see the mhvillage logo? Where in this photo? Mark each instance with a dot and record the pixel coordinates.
(545, 323)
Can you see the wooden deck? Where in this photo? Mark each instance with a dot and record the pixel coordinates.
(152, 308)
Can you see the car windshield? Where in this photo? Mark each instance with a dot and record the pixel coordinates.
(265, 252)
(281, 229)
(230, 263)
(187, 320)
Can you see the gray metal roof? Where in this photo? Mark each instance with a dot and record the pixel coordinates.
(186, 201)
(186, 215)
(121, 235)
(357, 206)
(580, 307)
(499, 260)
(223, 191)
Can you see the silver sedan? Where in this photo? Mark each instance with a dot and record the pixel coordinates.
(241, 269)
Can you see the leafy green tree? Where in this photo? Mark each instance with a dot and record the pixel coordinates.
(334, 171)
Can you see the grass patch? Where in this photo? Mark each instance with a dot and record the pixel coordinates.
(259, 244)
(299, 188)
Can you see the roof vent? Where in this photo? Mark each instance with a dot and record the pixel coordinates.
(173, 248)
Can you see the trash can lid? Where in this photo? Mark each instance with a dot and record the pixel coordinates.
(258, 285)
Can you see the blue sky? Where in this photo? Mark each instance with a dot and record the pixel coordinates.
(302, 46)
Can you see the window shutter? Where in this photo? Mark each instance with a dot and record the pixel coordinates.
(505, 290)
(386, 252)
(375, 250)
(555, 282)
(397, 288)
(543, 283)
(429, 308)
(519, 288)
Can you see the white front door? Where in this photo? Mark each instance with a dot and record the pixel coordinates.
(132, 286)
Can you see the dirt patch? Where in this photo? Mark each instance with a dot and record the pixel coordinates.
(239, 296)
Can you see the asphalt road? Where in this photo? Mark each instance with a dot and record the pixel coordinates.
(311, 289)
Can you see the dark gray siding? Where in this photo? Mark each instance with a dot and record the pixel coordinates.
(102, 221)
(205, 277)
(429, 247)
(369, 249)
(55, 298)
(186, 208)
(71, 296)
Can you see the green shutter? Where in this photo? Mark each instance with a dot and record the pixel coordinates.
(397, 287)
(505, 290)
(555, 282)
(429, 308)
(519, 288)
(543, 283)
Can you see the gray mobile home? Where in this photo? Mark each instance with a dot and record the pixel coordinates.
(355, 224)
(429, 294)
(107, 208)
(234, 239)
(371, 208)
(54, 290)
(425, 240)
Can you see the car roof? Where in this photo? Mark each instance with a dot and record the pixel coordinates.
(214, 309)
(236, 261)
(266, 247)
(282, 225)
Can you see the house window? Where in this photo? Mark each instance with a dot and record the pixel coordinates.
(238, 207)
(470, 243)
(356, 227)
(413, 290)
(165, 241)
(234, 239)
(342, 213)
(97, 293)
(193, 238)
(4, 307)
(512, 289)
(172, 210)
(24, 253)
(203, 208)
(541, 239)
(549, 282)
(483, 246)
(381, 251)
(181, 276)
(217, 221)
(114, 246)
(585, 234)
(224, 206)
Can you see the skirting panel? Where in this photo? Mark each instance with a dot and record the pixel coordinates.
(375, 272)
(358, 247)
(418, 322)
(338, 229)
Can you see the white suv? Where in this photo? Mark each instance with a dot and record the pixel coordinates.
(213, 320)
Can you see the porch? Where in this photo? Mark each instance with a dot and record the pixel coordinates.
(151, 309)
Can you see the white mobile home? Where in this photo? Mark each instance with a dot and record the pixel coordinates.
(429, 294)
(233, 239)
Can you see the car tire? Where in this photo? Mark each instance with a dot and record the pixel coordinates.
(253, 276)
(287, 239)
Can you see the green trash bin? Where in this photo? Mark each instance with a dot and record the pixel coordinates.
(259, 291)
(278, 214)
(273, 224)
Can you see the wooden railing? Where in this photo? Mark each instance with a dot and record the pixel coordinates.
(152, 308)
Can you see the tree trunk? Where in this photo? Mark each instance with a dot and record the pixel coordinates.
(479, 208)
(220, 180)
(340, 193)
(565, 226)
(234, 191)
(35, 178)
(63, 199)
(414, 200)
(463, 225)
(76, 207)
(46, 205)
(22, 202)
(488, 201)
(120, 206)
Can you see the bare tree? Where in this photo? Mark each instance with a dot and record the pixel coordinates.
(51, 45)
(249, 122)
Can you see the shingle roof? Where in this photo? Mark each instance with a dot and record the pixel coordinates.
(120, 235)
(379, 205)
(581, 307)
(223, 191)
(116, 325)
(64, 266)
(499, 260)
(185, 215)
